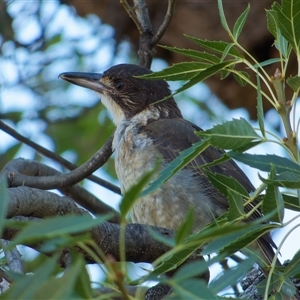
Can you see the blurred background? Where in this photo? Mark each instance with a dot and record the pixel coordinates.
(41, 39)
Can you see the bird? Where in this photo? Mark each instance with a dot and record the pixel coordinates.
(148, 130)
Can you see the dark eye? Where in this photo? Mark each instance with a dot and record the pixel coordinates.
(119, 85)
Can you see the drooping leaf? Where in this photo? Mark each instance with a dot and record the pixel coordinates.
(240, 22)
(273, 201)
(177, 164)
(191, 289)
(236, 205)
(208, 72)
(186, 226)
(230, 277)
(241, 77)
(26, 286)
(224, 184)
(272, 22)
(64, 285)
(231, 135)
(263, 162)
(260, 110)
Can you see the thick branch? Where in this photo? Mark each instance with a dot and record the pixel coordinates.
(33, 169)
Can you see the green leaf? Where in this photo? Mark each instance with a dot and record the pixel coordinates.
(294, 83)
(57, 226)
(285, 179)
(293, 267)
(236, 205)
(272, 22)
(230, 135)
(216, 46)
(230, 277)
(208, 72)
(179, 71)
(241, 77)
(291, 202)
(288, 19)
(192, 269)
(225, 53)
(209, 58)
(135, 191)
(222, 17)
(64, 286)
(263, 162)
(273, 201)
(176, 165)
(267, 62)
(186, 227)
(26, 286)
(225, 184)
(191, 289)
(260, 110)
(240, 22)
(169, 241)
(3, 202)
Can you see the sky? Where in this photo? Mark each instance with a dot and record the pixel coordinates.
(61, 20)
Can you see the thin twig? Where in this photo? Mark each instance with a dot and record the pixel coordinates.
(45, 152)
(165, 24)
(132, 15)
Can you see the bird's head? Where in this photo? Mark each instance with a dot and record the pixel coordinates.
(126, 96)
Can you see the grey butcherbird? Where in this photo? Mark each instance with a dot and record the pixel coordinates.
(147, 131)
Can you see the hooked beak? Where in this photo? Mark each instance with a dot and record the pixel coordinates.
(86, 80)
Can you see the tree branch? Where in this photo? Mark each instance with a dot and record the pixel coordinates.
(45, 152)
(164, 26)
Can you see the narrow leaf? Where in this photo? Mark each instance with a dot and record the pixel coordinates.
(230, 135)
(224, 184)
(285, 179)
(263, 162)
(208, 72)
(293, 267)
(241, 77)
(177, 164)
(57, 226)
(222, 17)
(179, 71)
(230, 277)
(203, 56)
(216, 46)
(186, 227)
(291, 202)
(236, 205)
(273, 201)
(240, 22)
(260, 111)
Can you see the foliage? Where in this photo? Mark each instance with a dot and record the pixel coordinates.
(225, 235)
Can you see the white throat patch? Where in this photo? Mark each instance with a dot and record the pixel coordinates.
(113, 108)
